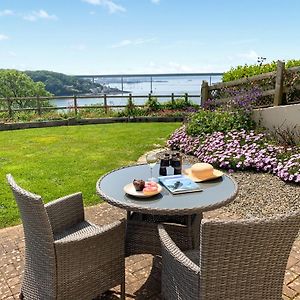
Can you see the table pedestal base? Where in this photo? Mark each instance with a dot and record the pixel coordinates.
(142, 234)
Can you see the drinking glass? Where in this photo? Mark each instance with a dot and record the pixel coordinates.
(151, 161)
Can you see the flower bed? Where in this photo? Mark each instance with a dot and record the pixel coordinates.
(240, 150)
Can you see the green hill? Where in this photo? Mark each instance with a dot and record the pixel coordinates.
(64, 85)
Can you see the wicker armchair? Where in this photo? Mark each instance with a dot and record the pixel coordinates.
(238, 260)
(67, 257)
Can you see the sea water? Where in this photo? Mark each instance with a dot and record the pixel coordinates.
(179, 85)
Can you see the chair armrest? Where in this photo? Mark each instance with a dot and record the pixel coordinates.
(65, 212)
(180, 276)
(99, 250)
(115, 231)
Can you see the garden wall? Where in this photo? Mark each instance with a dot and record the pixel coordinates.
(283, 117)
(73, 121)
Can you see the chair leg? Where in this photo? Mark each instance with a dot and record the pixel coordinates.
(123, 290)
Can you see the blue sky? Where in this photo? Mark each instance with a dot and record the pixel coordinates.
(145, 36)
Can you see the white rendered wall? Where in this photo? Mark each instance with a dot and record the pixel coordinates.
(278, 116)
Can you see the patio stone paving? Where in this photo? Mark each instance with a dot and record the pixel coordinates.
(142, 271)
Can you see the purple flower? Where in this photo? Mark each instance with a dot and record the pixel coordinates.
(239, 150)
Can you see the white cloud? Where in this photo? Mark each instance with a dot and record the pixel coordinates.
(250, 55)
(6, 12)
(40, 14)
(108, 4)
(155, 1)
(135, 42)
(3, 37)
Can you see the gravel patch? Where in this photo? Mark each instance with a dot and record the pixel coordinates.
(260, 194)
(263, 194)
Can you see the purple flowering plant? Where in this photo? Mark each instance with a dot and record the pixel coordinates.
(226, 137)
(239, 150)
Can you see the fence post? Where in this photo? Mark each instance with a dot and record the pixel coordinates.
(75, 105)
(172, 98)
(38, 105)
(105, 103)
(204, 92)
(186, 97)
(9, 103)
(279, 83)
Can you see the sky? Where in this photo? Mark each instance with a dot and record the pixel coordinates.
(146, 36)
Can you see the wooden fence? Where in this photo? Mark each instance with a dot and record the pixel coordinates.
(275, 91)
(73, 105)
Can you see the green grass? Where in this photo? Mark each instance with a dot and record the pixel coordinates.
(54, 162)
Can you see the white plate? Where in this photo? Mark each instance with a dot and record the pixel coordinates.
(130, 190)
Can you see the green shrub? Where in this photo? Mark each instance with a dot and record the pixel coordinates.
(131, 110)
(24, 116)
(4, 116)
(252, 70)
(153, 104)
(206, 121)
(92, 111)
(179, 103)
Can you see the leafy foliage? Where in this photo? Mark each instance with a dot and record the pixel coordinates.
(131, 110)
(233, 115)
(256, 69)
(152, 104)
(206, 121)
(179, 103)
(14, 83)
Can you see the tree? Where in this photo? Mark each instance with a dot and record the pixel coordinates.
(64, 85)
(14, 84)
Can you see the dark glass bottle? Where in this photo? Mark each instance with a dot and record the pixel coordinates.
(164, 163)
(173, 159)
(176, 163)
(177, 167)
(162, 171)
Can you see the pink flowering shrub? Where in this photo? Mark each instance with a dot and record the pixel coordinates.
(239, 150)
(289, 168)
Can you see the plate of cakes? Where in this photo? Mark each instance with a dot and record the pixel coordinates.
(142, 189)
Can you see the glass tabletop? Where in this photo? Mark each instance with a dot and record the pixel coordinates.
(216, 193)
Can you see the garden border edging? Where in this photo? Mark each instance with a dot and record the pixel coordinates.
(75, 122)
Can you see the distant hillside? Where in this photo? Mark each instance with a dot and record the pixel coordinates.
(64, 85)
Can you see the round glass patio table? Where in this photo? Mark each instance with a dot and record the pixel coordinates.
(215, 193)
(181, 214)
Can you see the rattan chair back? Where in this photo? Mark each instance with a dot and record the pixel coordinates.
(39, 240)
(245, 259)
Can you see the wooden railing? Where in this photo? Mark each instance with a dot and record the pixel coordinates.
(277, 90)
(74, 106)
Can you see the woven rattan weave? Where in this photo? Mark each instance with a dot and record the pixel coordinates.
(67, 257)
(238, 260)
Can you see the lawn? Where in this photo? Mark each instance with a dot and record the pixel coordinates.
(54, 162)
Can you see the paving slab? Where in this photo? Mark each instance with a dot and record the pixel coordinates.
(142, 271)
